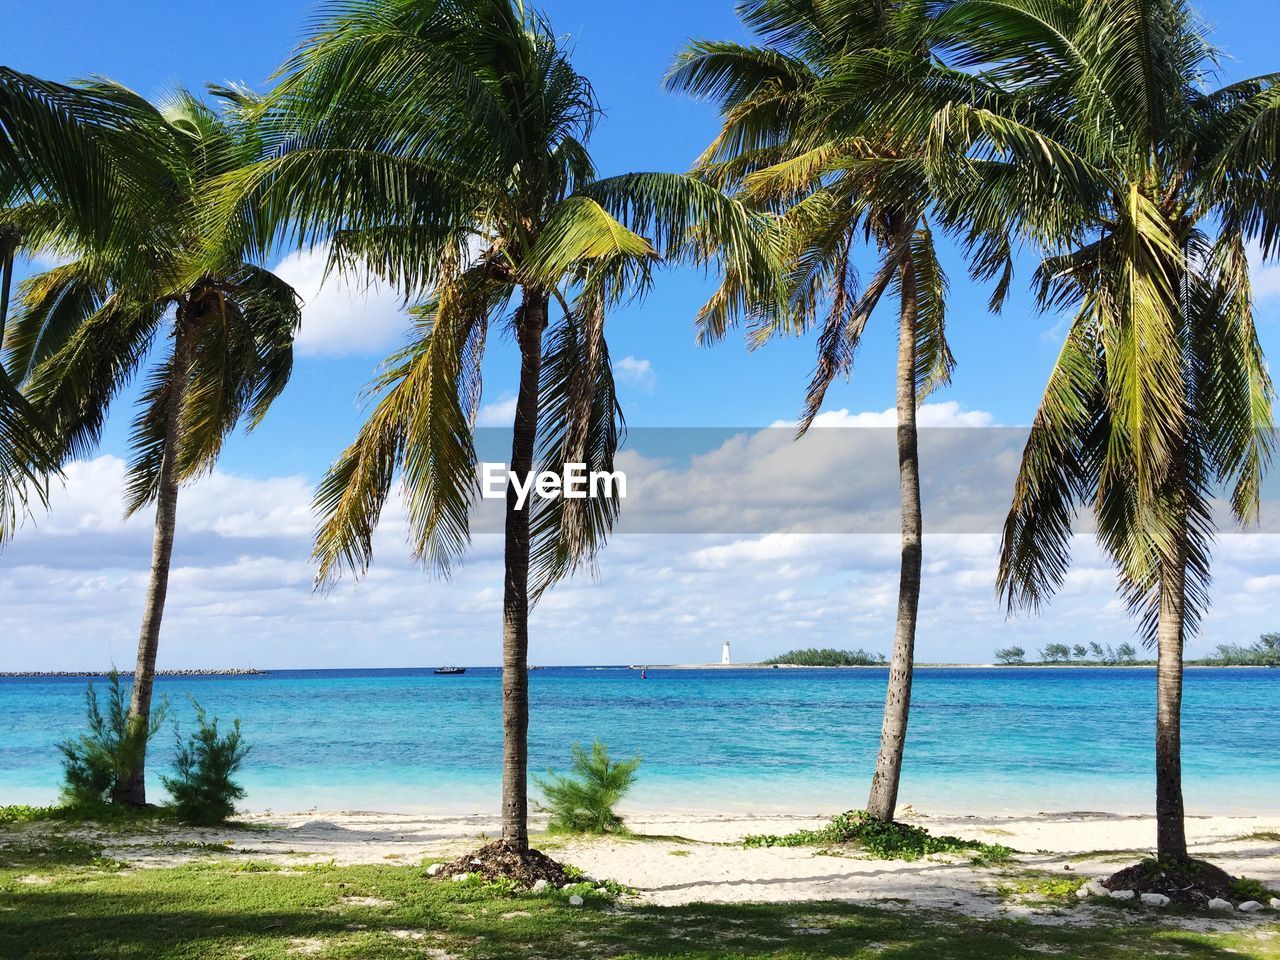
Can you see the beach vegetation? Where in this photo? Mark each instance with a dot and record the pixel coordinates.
(55, 850)
(168, 286)
(1247, 888)
(97, 762)
(101, 816)
(1266, 836)
(1061, 653)
(202, 785)
(828, 657)
(1160, 398)
(880, 840)
(584, 801)
(444, 150)
(75, 149)
(1055, 653)
(216, 910)
(1038, 886)
(1264, 653)
(803, 136)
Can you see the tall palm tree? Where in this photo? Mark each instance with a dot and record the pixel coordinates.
(1143, 188)
(83, 329)
(441, 144)
(79, 147)
(804, 135)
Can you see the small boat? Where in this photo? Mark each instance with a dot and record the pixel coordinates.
(449, 671)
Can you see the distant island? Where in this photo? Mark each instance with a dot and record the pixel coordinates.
(194, 672)
(826, 657)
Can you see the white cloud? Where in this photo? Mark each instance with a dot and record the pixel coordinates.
(635, 372)
(500, 413)
(1265, 276)
(231, 506)
(945, 414)
(341, 314)
(72, 585)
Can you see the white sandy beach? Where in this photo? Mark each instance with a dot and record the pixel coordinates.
(679, 858)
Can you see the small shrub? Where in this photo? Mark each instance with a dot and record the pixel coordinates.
(583, 802)
(883, 841)
(202, 789)
(1247, 888)
(95, 762)
(989, 854)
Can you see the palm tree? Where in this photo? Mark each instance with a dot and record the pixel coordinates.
(1142, 188)
(78, 147)
(804, 135)
(442, 146)
(83, 329)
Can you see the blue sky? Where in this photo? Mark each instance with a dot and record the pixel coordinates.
(666, 381)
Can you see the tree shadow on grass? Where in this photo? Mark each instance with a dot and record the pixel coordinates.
(265, 917)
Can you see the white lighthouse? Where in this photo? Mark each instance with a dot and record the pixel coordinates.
(725, 660)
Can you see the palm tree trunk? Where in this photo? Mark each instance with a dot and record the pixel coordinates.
(893, 733)
(132, 789)
(1171, 837)
(515, 601)
(8, 247)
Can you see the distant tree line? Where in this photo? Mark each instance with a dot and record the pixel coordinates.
(1264, 653)
(1068, 653)
(828, 657)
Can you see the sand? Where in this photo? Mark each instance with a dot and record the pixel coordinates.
(680, 858)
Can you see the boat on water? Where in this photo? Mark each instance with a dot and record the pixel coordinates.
(449, 671)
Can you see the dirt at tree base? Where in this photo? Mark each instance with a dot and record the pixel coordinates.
(498, 861)
(1190, 882)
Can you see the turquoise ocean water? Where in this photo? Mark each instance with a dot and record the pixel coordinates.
(734, 740)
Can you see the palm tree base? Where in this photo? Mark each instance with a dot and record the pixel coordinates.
(1185, 881)
(502, 861)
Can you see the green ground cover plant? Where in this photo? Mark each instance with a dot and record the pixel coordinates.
(882, 841)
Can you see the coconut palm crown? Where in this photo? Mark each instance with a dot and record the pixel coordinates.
(806, 134)
(81, 150)
(441, 145)
(222, 327)
(1142, 187)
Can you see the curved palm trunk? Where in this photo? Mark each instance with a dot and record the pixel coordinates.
(893, 733)
(515, 600)
(132, 789)
(1171, 837)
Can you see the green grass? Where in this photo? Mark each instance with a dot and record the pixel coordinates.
(1039, 887)
(221, 911)
(883, 841)
(101, 815)
(105, 818)
(52, 851)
